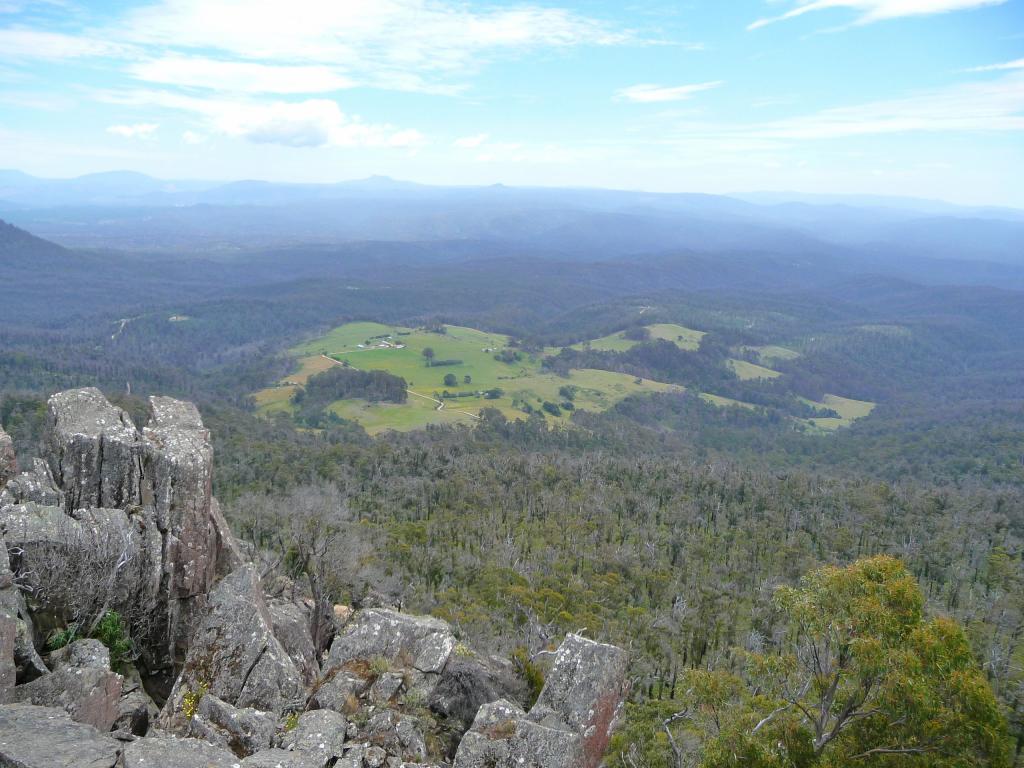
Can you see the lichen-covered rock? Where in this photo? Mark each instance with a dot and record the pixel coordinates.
(82, 654)
(33, 485)
(44, 737)
(95, 451)
(502, 737)
(569, 725)
(423, 643)
(320, 733)
(8, 458)
(82, 684)
(243, 731)
(172, 752)
(8, 625)
(584, 689)
(282, 758)
(291, 628)
(234, 655)
(398, 734)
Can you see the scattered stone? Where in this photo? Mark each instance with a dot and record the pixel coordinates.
(82, 654)
(135, 709)
(45, 737)
(584, 689)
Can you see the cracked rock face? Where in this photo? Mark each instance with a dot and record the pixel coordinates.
(103, 481)
(95, 452)
(235, 656)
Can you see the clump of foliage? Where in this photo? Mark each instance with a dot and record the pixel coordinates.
(190, 701)
(861, 677)
(62, 637)
(531, 672)
(112, 632)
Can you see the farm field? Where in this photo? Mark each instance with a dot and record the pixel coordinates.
(471, 352)
(683, 337)
(771, 354)
(746, 370)
(515, 384)
(849, 410)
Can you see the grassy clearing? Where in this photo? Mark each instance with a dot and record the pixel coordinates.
(747, 371)
(849, 410)
(684, 338)
(771, 354)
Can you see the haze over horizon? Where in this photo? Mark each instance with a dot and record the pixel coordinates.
(922, 99)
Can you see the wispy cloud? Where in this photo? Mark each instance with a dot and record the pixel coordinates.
(309, 123)
(1018, 64)
(877, 10)
(136, 131)
(992, 106)
(238, 76)
(25, 43)
(646, 93)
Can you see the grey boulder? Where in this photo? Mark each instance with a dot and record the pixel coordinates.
(423, 643)
(171, 752)
(44, 737)
(82, 685)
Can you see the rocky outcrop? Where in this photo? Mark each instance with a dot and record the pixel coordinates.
(8, 458)
(131, 512)
(569, 725)
(114, 519)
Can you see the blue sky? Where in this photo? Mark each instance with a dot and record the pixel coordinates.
(912, 97)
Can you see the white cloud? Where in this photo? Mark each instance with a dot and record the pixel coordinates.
(309, 123)
(1018, 64)
(192, 137)
(403, 44)
(136, 131)
(646, 93)
(471, 142)
(238, 76)
(877, 10)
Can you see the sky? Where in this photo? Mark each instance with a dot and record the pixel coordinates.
(901, 97)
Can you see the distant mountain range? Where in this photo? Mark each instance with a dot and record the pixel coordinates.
(131, 211)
